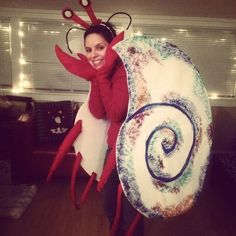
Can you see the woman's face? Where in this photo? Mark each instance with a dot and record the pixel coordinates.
(95, 47)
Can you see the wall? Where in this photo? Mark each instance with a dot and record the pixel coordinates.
(191, 8)
(222, 169)
(224, 129)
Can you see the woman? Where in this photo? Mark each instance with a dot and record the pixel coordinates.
(109, 100)
(109, 92)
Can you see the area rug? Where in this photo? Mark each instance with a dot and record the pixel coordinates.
(15, 199)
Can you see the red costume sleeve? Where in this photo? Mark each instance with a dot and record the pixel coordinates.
(114, 93)
(96, 106)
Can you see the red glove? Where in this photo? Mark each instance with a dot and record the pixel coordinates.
(80, 67)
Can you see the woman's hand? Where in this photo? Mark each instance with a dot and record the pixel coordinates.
(87, 71)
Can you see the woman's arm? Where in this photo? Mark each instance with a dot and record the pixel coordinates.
(114, 92)
(96, 106)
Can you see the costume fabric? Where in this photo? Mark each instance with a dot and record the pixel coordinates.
(109, 99)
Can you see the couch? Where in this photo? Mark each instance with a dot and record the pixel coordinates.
(32, 147)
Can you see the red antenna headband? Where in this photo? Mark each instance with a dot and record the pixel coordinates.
(69, 14)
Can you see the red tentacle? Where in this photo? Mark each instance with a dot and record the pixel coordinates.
(78, 66)
(75, 170)
(109, 166)
(88, 187)
(88, 8)
(64, 147)
(69, 14)
(134, 224)
(118, 211)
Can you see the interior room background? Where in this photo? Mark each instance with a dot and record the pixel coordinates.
(30, 30)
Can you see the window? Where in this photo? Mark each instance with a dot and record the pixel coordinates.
(40, 67)
(29, 64)
(213, 51)
(5, 59)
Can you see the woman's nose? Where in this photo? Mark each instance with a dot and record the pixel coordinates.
(94, 53)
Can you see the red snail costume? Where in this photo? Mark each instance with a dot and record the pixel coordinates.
(156, 106)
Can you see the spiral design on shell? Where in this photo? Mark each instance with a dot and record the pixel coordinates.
(164, 140)
(168, 142)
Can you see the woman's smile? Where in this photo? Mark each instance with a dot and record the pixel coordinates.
(97, 63)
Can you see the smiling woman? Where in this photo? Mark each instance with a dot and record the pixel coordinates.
(95, 47)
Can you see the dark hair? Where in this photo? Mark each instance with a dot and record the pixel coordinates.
(106, 30)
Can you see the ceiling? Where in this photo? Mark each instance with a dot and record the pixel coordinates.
(188, 8)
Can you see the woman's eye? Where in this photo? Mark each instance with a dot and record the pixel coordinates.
(100, 48)
(88, 50)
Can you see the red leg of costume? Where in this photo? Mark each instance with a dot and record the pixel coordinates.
(118, 211)
(64, 147)
(109, 166)
(76, 166)
(134, 224)
(88, 187)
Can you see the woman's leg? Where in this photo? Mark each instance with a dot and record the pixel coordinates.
(128, 215)
(128, 212)
(109, 195)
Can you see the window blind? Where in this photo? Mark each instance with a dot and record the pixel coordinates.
(41, 68)
(212, 51)
(5, 52)
(211, 48)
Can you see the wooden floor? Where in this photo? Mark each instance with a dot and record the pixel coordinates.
(52, 214)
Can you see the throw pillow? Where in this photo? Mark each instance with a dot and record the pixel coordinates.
(53, 121)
